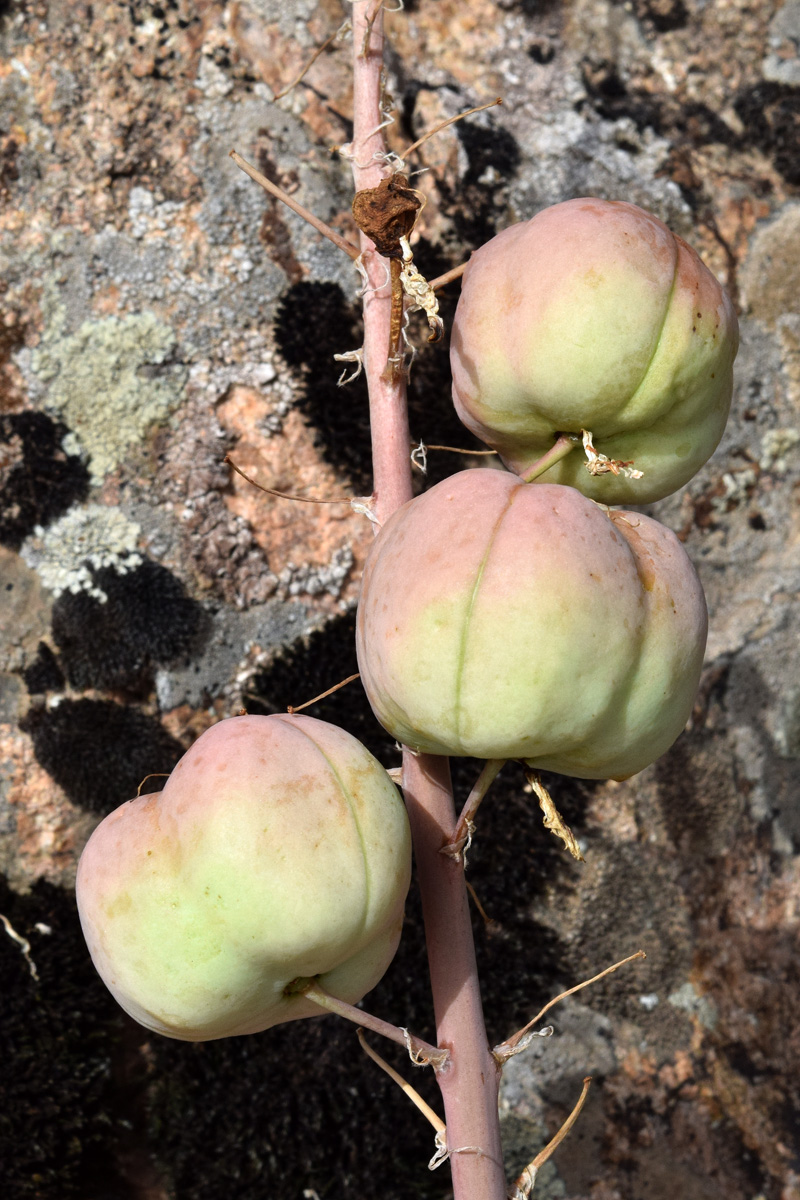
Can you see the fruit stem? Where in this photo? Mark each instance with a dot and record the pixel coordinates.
(421, 1052)
(469, 1080)
(459, 843)
(565, 443)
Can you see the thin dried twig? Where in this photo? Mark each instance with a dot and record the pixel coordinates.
(507, 1048)
(152, 775)
(458, 450)
(413, 1095)
(449, 276)
(299, 707)
(343, 28)
(487, 920)
(285, 495)
(524, 1185)
(286, 199)
(450, 121)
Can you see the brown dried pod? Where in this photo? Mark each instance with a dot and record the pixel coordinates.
(386, 213)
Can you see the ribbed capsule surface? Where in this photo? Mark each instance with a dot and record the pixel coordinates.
(278, 849)
(500, 619)
(594, 316)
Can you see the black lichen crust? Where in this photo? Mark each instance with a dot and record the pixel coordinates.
(771, 115)
(39, 481)
(479, 202)
(58, 1127)
(43, 674)
(691, 123)
(146, 621)
(100, 752)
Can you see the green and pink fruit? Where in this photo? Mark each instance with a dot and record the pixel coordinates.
(279, 849)
(500, 619)
(594, 316)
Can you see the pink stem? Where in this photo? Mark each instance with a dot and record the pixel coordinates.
(469, 1082)
(391, 461)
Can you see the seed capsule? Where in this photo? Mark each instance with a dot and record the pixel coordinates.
(594, 316)
(279, 849)
(500, 619)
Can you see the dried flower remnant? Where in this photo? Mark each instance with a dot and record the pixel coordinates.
(553, 821)
(420, 293)
(387, 214)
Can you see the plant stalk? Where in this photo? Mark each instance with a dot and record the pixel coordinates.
(391, 460)
(469, 1082)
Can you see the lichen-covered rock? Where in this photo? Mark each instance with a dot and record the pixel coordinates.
(279, 849)
(112, 379)
(500, 619)
(594, 316)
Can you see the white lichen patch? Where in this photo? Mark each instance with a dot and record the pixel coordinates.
(149, 216)
(737, 486)
(110, 381)
(310, 580)
(85, 539)
(775, 445)
(253, 366)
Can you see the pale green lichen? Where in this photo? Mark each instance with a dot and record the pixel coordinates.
(111, 381)
(696, 1005)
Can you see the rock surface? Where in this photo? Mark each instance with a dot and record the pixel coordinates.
(158, 312)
